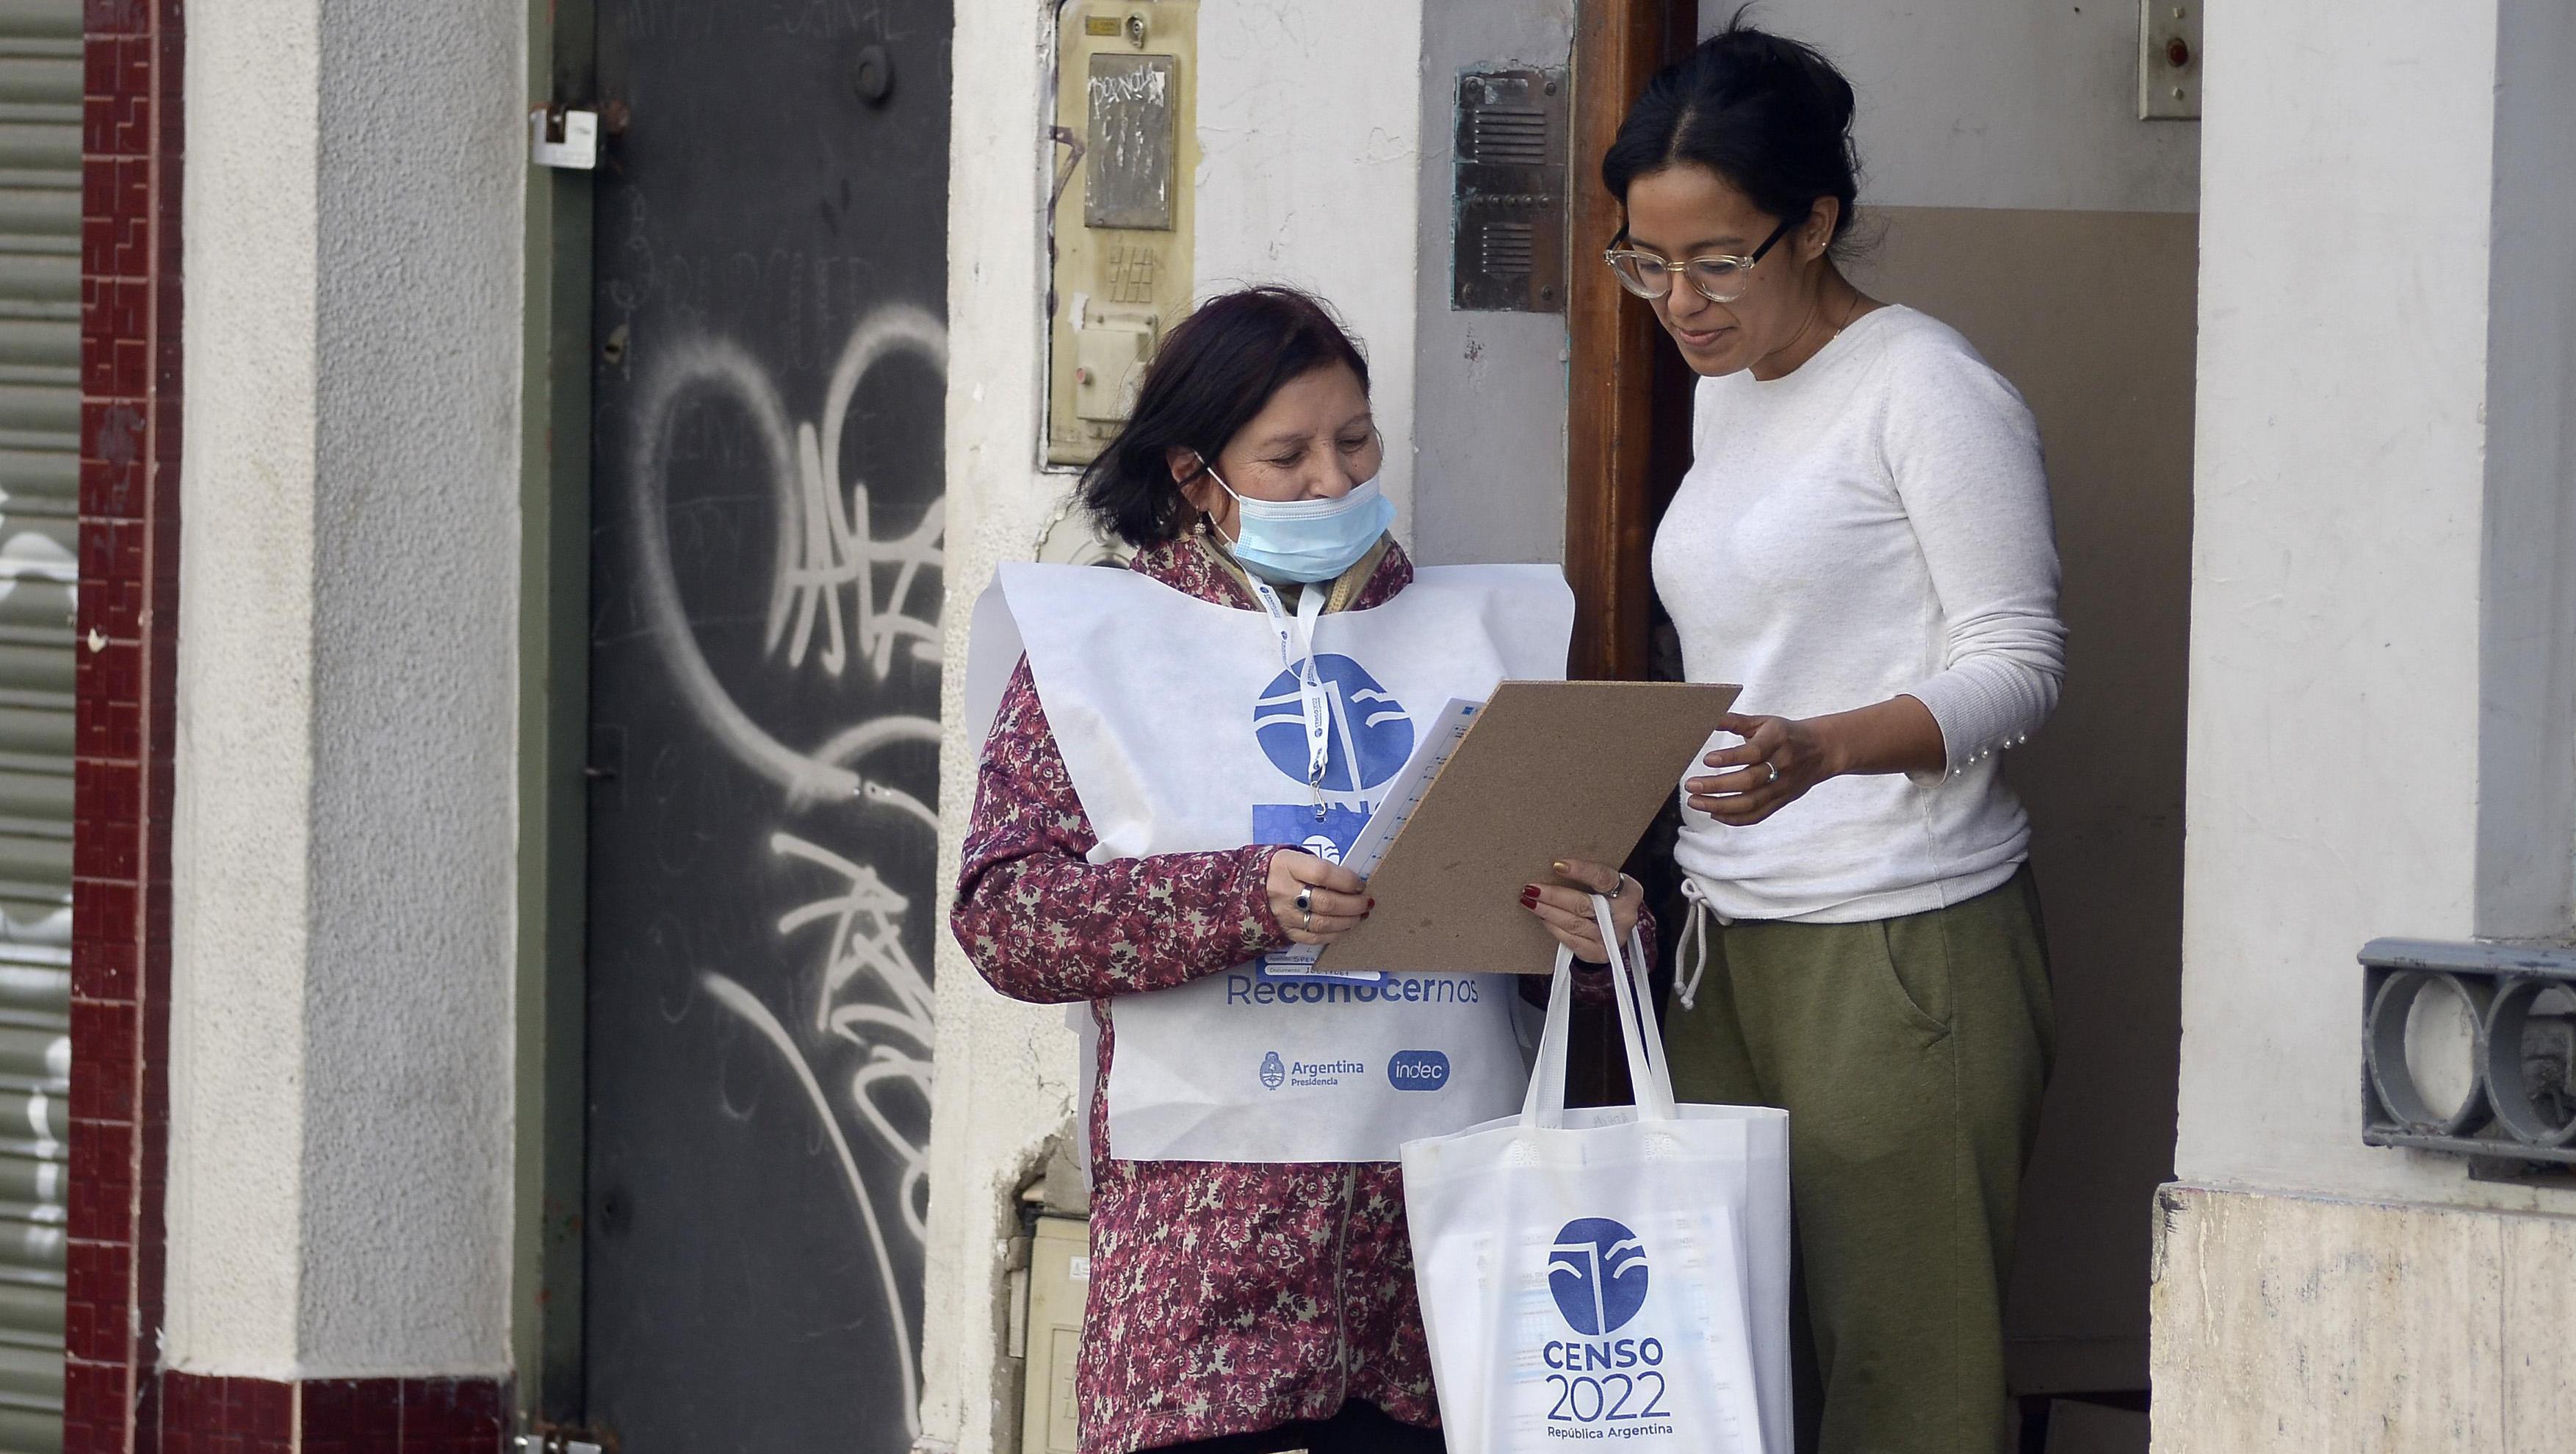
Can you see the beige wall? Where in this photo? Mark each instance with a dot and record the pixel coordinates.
(2090, 315)
(2011, 191)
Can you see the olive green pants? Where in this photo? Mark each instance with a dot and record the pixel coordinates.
(1909, 1054)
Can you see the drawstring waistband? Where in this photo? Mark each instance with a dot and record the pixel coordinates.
(1690, 952)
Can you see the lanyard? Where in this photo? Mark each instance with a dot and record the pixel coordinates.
(1297, 655)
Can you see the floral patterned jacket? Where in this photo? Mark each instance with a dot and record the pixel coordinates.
(1225, 1298)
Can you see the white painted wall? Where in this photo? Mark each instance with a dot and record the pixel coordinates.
(2381, 551)
(1006, 1070)
(344, 837)
(1308, 130)
(2001, 103)
(2526, 871)
(1308, 149)
(1489, 388)
(240, 842)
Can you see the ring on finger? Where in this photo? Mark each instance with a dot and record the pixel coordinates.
(1309, 925)
(1775, 772)
(1306, 900)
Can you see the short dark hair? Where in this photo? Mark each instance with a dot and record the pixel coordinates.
(1769, 114)
(1215, 371)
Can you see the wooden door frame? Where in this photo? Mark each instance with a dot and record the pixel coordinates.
(1626, 424)
(1612, 420)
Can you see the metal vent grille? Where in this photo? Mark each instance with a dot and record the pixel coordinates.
(1511, 136)
(2517, 1117)
(1508, 250)
(40, 292)
(1507, 224)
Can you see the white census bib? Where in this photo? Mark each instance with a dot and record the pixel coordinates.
(1183, 732)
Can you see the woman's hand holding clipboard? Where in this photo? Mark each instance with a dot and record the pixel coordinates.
(1541, 773)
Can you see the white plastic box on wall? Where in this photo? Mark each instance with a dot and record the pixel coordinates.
(1059, 1282)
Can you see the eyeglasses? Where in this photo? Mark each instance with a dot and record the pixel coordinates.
(1720, 279)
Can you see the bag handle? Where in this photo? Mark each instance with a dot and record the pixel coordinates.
(1543, 1108)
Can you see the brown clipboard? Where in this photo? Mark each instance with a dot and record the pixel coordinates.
(1549, 770)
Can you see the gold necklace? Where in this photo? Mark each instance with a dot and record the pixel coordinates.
(1850, 312)
(1848, 315)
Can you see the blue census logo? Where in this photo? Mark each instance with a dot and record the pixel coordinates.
(1597, 1269)
(1371, 734)
(1273, 1074)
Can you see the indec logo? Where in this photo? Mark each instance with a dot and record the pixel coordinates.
(1597, 1269)
(1417, 1070)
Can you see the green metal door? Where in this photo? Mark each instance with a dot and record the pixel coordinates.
(40, 294)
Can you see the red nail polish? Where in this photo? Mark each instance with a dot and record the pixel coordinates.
(1529, 897)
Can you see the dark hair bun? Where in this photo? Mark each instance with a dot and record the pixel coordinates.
(1769, 114)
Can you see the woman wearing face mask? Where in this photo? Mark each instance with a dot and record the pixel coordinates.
(1863, 540)
(1172, 773)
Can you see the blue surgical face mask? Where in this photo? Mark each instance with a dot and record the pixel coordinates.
(1307, 540)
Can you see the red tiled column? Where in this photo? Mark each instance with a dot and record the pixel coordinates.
(128, 628)
(116, 1399)
(203, 1415)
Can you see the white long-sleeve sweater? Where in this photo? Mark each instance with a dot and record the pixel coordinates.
(1873, 524)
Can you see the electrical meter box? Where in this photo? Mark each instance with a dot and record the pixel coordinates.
(1059, 1284)
(1120, 215)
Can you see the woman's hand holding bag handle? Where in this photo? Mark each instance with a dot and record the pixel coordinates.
(1544, 1106)
(1607, 1272)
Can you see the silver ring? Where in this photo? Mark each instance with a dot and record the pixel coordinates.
(1775, 772)
(1306, 900)
(1309, 925)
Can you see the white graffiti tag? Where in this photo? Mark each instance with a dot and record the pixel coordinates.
(834, 549)
(819, 550)
(872, 998)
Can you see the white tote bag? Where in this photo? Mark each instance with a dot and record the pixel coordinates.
(1616, 1273)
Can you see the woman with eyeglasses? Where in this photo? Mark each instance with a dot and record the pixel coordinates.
(1863, 540)
(1181, 755)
